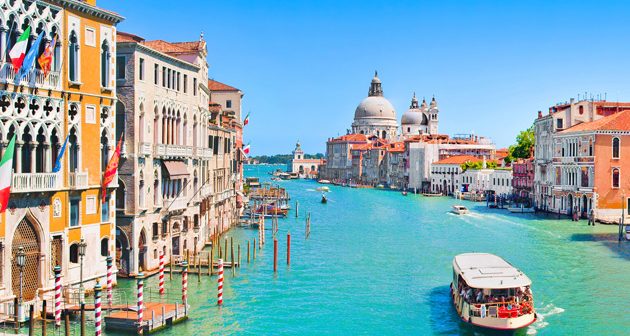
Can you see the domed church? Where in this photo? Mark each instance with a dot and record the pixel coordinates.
(375, 115)
(420, 119)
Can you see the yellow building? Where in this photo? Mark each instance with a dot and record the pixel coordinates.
(50, 212)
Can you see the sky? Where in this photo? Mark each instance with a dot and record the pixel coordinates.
(304, 66)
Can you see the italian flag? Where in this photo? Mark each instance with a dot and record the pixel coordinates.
(18, 51)
(246, 121)
(246, 150)
(6, 166)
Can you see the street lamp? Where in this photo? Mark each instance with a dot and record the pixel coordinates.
(82, 246)
(20, 260)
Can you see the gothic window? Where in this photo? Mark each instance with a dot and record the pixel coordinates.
(156, 74)
(26, 151)
(105, 247)
(105, 209)
(74, 253)
(590, 147)
(121, 63)
(73, 150)
(141, 69)
(141, 194)
(105, 55)
(155, 230)
(73, 57)
(75, 204)
(615, 148)
(104, 150)
(120, 196)
(615, 177)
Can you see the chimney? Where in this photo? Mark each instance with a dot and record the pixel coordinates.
(539, 114)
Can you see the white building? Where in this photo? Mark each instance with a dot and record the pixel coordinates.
(375, 115)
(501, 182)
(420, 119)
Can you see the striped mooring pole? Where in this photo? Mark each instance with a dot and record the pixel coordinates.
(220, 281)
(57, 296)
(140, 303)
(184, 282)
(161, 276)
(97, 309)
(110, 276)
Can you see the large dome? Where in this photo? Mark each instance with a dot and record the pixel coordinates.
(414, 117)
(375, 107)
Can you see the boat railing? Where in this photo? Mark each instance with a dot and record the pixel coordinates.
(503, 309)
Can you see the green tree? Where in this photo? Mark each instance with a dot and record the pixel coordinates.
(525, 141)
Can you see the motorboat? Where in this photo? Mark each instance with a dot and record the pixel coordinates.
(324, 199)
(460, 210)
(489, 292)
(324, 181)
(404, 192)
(324, 189)
(521, 209)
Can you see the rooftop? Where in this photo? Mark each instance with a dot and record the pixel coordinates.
(485, 270)
(458, 159)
(218, 86)
(619, 121)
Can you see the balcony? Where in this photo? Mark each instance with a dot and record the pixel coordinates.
(78, 180)
(35, 182)
(172, 150)
(203, 152)
(34, 77)
(178, 203)
(205, 191)
(144, 148)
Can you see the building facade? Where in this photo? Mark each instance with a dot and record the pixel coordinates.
(523, 179)
(50, 212)
(305, 168)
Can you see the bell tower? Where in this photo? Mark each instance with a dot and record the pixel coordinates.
(433, 117)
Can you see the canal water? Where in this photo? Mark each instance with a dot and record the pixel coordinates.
(379, 263)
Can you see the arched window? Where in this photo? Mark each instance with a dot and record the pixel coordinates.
(615, 178)
(73, 57)
(581, 109)
(141, 192)
(155, 230)
(615, 148)
(105, 247)
(105, 55)
(104, 150)
(74, 253)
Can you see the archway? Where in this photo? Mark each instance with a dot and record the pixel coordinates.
(570, 204)
(142, 251)
(122, 252)
(444, 187)
(26, 236)
(584, 206)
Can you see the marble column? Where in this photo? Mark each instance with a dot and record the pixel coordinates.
(18, 158)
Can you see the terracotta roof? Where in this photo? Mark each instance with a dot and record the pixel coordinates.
(218, 86)
(127, 37)
(165, 47)
(365, 146)
(458, 159)
(396, 147)
(190, 46)
(350, 137)
(619, 121)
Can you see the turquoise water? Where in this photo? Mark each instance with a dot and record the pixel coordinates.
(378, 263)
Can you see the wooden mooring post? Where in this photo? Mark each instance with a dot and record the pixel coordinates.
(254, 248)
(82, 319)
(297, 209)
(232, 256)
(289, 248)
(275, 255)
(66, 320)
(31, 321)
(248, 251)
(44, 318)
(238, 258)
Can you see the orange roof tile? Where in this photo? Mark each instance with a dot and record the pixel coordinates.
(165, 47)
(350, 137)
(190, 46)
(128, 37)
(366, 146)
(458, 159)
(619, 121)
(218, 86)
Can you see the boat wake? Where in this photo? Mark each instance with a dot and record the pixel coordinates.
(542, 313)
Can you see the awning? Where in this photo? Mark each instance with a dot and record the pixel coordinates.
(176, 169)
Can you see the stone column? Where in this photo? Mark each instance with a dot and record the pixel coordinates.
(47, 158)
(3, 42)
(33, 156)
(18, 158)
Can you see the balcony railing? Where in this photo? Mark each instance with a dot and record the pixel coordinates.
(35, 182)
(34, 77)
(78, 180)
(177, 203)
(172, 150)
(203, 152)
(144, 148)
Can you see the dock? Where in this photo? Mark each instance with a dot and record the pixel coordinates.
(157, 316)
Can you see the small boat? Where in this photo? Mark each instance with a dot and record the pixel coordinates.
(324, 199)
(271, 210)
(431, 194)
(404, 193)
(460, 210)
(284, 176)
(324, 181)
(276, 179)
(380, 186)
(521, 209)
(489, 292)
(324, 189)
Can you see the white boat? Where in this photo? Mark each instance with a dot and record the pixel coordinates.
(460, 210)
(521, 209)
(488, 292)
(324, 181)
(324, 189)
